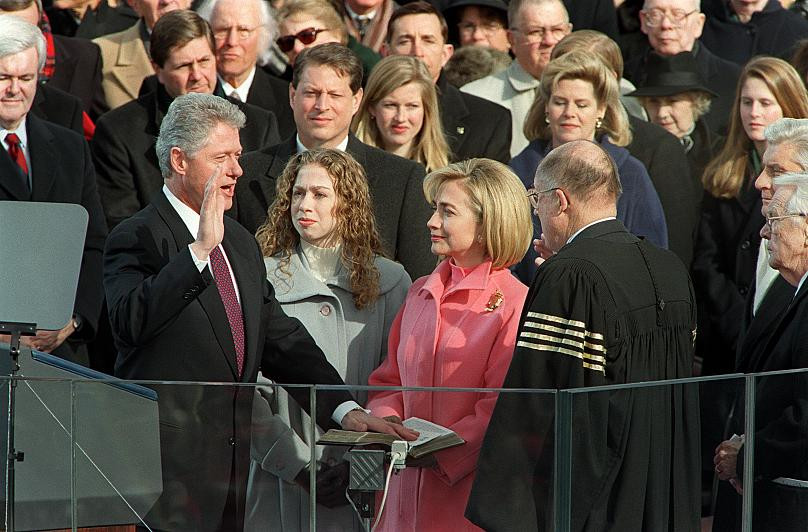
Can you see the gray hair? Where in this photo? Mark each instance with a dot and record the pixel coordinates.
(516, 6)
(798, 202)
(16, 36)
(582, 168)
(791, 131)
(189, 122)
(267, 25)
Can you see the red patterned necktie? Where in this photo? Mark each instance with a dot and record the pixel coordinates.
(16, 153)
(221, 272)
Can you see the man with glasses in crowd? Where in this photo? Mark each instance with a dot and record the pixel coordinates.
(536, 26)
(243, 30)
(673, 27)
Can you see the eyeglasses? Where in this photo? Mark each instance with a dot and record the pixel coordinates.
(653, 17)
(770, 219)
(533, 195)
(488, 28)
(534, 35)
(307, 36)
(241, 32)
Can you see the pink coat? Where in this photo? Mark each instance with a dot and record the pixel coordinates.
(443, 336)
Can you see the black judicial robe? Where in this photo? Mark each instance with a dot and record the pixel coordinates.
(608, 308)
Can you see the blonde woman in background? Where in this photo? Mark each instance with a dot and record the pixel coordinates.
(399, 112)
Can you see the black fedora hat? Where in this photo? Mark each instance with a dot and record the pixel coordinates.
(669, 75)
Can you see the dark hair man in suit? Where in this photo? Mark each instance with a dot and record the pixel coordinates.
(474, 127)
(325, 93)
(244, 31)
(40, 161)
(189, 301)
(123, 145)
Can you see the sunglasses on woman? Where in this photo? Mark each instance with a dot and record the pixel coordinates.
(307, 36)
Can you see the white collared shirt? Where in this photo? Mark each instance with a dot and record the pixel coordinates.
(242, 90)
(22, 133)
(342, 146)
(578, 232)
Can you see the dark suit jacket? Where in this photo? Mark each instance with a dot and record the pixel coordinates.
(474, 127)
(78, 72)
(272, 94)
(720, 76)
(772, 31)
(169, 323)
(62, 171)
(597, 15)
(781, 419)
(58, 107)
(667, 165)
(395, 187)
(125, 160)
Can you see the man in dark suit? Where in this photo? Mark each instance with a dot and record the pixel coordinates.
(123, 146)
(41, 161)
(325, 94)
(241, 29)
(76, 67)
(474, 127)
(781, 430)
(189, 301)
(672, 27)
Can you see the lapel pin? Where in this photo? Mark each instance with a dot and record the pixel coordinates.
(460, 130)
(494, 301)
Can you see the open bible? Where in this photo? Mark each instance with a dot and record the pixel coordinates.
(431, 438)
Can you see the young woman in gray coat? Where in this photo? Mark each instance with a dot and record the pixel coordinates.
(324, 258)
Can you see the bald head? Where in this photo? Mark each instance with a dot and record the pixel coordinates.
(583, 169)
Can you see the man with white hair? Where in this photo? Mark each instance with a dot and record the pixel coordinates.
(672, 27)
(243, 30)
(534, 28)
(781, 431)
(41, 161)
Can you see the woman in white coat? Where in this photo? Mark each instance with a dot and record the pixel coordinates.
(324, 258)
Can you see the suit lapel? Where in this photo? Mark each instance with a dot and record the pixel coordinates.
(44, 159)
(359, 151)
(755, 360)
(282, 155)
(774, 304)
(209, 298)
(453, 110)
(131, 53)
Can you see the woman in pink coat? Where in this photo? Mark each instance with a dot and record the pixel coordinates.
(457, 329)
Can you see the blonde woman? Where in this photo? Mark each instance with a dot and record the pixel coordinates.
(324, 258)
(399, 112)
(578, 99)
(457, 329)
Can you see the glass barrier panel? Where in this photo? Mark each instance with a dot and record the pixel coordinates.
(41, 476)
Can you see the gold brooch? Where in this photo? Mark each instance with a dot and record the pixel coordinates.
(494, 301)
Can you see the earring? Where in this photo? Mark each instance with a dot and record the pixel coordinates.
(598, 123)
(546, 120)
(480, 239)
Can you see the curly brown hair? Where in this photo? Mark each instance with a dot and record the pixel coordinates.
(355, 222)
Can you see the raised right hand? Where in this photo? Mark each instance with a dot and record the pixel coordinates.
(211, 216)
